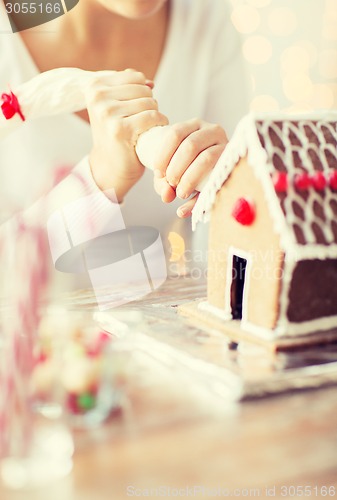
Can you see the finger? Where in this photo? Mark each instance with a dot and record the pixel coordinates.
(143, 121)
(150, 84)
(123, 109)
(174, 137)
(132, 76)
(158, 184)
(198, 169)
(112, 78)
(127, 92)
(188, 151)
(165, 191)
(186, 209)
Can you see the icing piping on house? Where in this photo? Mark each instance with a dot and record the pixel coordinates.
(206, 306)
(245, 142)
(292, 329)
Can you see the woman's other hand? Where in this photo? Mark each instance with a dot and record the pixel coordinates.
(120, 107)
(190, 151)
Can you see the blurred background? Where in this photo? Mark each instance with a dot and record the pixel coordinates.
(290, 47)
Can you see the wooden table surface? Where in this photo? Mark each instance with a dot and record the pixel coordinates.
(175, 437)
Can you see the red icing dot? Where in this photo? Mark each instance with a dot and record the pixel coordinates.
(319, 181)
(280, 181)
(244, 211)
(302, 181)
(333, 180)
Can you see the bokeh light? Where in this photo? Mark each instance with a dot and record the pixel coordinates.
(259, 3)
(282, 21)
(246, 18)
(333, 88)
(257, 50)
(328, 63)
(311, 50)
(330, 20)
(323, 97)
(264, 103)
(330, 31)
(295, 109)
(291, 52)
(295, 58)
(177, 246)
(298, 87)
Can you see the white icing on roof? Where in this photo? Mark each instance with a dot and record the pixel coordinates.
(306, 221)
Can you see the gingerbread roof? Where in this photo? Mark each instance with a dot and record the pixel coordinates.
(295, 158)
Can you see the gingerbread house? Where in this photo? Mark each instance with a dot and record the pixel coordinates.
(272, 205)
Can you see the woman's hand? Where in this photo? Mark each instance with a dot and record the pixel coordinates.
(190, 151)
(120, 107)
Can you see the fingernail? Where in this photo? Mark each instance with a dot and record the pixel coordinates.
(181, 194)
(182, 211)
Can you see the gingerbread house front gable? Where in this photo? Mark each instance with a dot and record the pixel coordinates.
(245, 256)
(294, 162)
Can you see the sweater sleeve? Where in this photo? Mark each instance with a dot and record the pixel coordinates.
(73, 213)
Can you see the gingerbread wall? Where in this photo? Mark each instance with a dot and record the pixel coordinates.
(259, 240)
(313, 282)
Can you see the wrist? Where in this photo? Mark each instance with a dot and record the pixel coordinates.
(106, 179)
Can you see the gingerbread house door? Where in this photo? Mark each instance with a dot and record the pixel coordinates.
(236, 293)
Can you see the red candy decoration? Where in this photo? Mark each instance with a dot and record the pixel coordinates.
(10, 106)
(319, 181)
(280, 181)
(302, 181)
(244, 211)
(333, 180)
